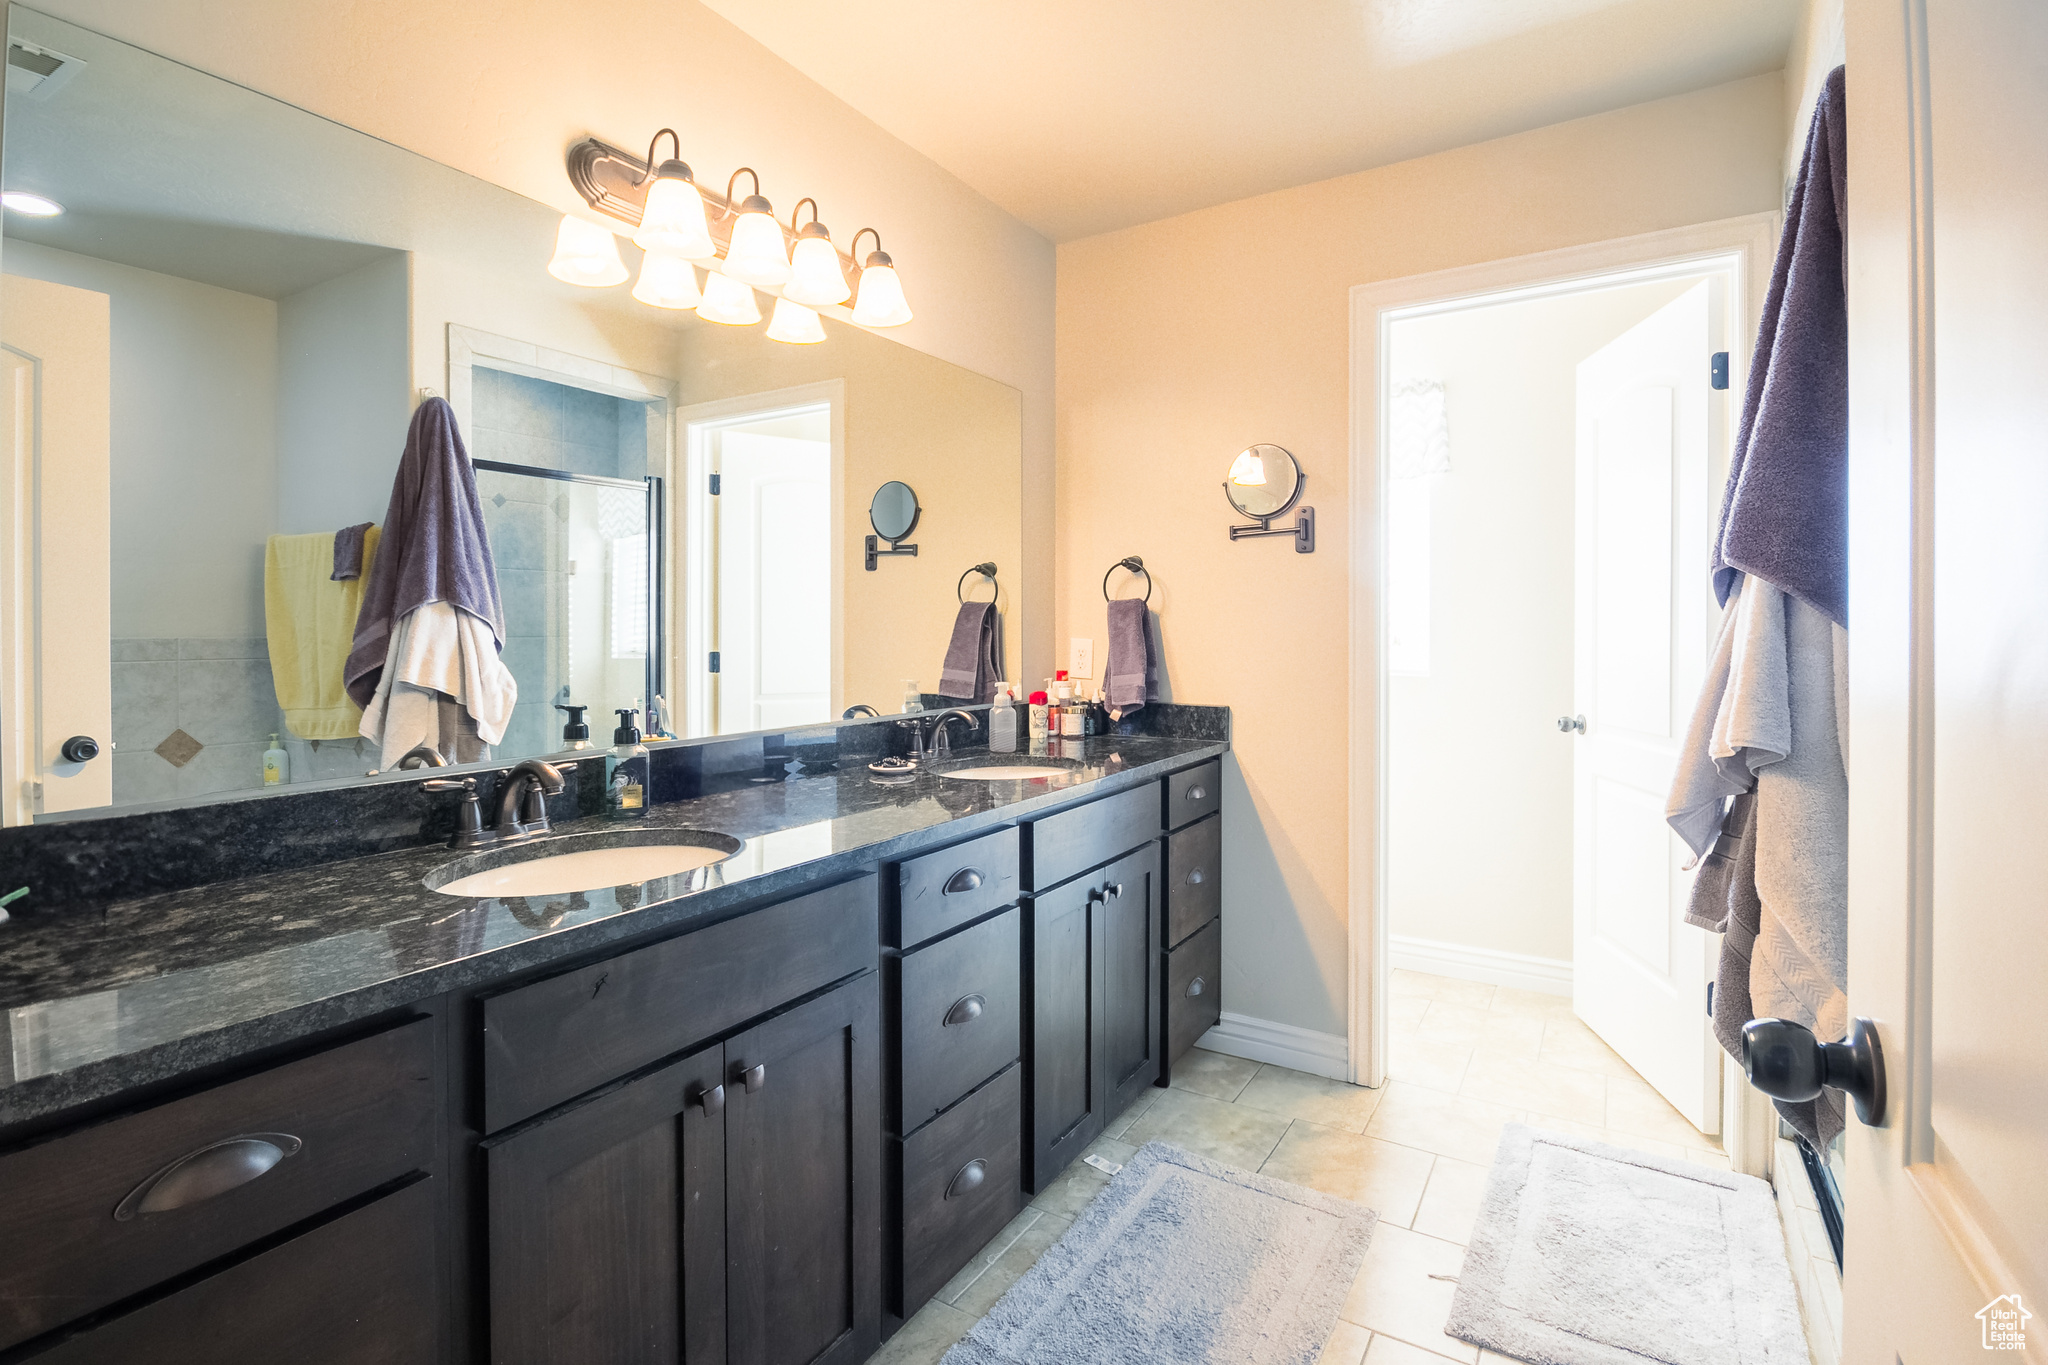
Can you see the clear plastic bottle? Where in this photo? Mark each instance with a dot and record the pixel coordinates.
(1002, 722)
(913, 697)
(626, 770)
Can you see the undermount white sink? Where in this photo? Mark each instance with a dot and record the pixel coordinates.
(588, 869)
(1011, 772)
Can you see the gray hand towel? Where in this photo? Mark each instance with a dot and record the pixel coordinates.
(434, 547)
(1129, 673)
(974, 656)
(1784, 513)
(348, 552)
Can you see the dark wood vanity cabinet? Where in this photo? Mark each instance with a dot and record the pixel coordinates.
(725, 1207)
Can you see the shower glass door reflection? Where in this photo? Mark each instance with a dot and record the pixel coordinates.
(576, 557)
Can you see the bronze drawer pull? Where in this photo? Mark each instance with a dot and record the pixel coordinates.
(213, 1169)
(712, 1100)
(967, 1178)
(965, 1010)
(753, 1077)
(966, 879)
(1196, 876)
(1195, 986)
(1197, 792)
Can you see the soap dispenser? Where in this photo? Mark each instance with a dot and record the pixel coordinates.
(576, 732)
(626, 769)
(277, 764)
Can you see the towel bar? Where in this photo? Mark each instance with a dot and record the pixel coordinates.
(1131, 564)
(987, 571)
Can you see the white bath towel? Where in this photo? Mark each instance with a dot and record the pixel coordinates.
(443, 685)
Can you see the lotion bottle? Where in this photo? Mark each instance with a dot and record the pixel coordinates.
(1038, 717)
(1002, 722)
(277, 764)
(626, 770)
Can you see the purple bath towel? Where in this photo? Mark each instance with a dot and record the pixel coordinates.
(434, 548)
(1131, 675)
(1784, 515)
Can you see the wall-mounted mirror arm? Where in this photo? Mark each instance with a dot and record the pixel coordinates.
(1303, 530)
(1265, 482)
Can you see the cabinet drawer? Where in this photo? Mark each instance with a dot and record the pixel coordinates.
(937, 891)
(1085, 836)
(1194, 989)
(1193, 793)
(361, 1290)
(959, 1013)
(555, 1039)
(100, 1213)
(1194, 880)
(961, 1184)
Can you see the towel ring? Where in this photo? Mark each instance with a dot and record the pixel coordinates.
(1130, 565)
(987, 571)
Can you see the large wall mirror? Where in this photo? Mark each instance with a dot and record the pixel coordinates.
(221, 339)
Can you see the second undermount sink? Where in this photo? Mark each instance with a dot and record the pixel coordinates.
(1009, 772)
(592, 862)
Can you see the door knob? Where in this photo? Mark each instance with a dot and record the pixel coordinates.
(80, 749)
(753, 1077)
(1785, 1061)
(712, 1100)
(1570, 723)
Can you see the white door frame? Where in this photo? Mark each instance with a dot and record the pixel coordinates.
(691, 605)
(1744, 245)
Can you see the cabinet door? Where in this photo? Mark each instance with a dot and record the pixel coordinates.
(803, 1183)
(1126, 1009)
(1065, 1099)
(607, 1226)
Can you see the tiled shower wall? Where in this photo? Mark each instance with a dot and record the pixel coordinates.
(192, 717)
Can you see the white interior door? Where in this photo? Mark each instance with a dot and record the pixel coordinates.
(773, 631)
(1639, 972)
(54, 577)
(1947, 1201)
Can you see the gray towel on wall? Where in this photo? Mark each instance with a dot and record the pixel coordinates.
(1784, 513)
(434, 547)
(1130, 676)
(348, 552)
(974, 656)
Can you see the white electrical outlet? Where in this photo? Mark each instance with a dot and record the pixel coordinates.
(1080, 658)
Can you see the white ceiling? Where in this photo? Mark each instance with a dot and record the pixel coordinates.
(1080, 116)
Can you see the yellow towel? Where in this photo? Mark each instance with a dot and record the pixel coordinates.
(312, 624)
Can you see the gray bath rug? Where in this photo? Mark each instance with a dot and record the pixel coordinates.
(1587, 1254)
(1182, 1261)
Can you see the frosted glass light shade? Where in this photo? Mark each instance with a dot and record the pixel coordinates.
(756, 254)
(586, 254)
(667, 282)
(795, 324)
(673, 220)
(1248, 470)
(728, 301)
(881, 302)
(815, 278)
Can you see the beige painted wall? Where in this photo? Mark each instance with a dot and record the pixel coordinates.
(1182, 341)
(1479, 780)
(949, 433)
(501, 91)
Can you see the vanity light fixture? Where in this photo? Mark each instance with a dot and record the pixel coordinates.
(880, 302)
(586, 254)
(667, 281)
(815, 278)
(756, 254)
(673, 218)
(37, 206)
(795, 324)
(728, 301)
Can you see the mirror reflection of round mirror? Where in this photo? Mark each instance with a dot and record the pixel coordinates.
(894, 511)
(1263, 481)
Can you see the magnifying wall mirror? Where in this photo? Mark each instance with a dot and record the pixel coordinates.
(893, 513)
(1264, 482)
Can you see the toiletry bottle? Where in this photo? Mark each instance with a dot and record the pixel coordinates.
(1002, 722)
(626, 769)
(1038, 713)
(1072, 709)
(913, 699)
(1091, 722)
(277, 765)
(576, 730)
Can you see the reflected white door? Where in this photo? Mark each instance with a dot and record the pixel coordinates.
(1639, 972)
(773, 631)
(1947, 1202)
(54, 584)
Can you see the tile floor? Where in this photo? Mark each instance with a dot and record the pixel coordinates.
(1465, 1059)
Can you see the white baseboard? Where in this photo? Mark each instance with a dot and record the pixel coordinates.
(1262, 1040)
(1548, 975)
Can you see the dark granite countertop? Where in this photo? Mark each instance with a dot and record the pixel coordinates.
(97, 1002)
